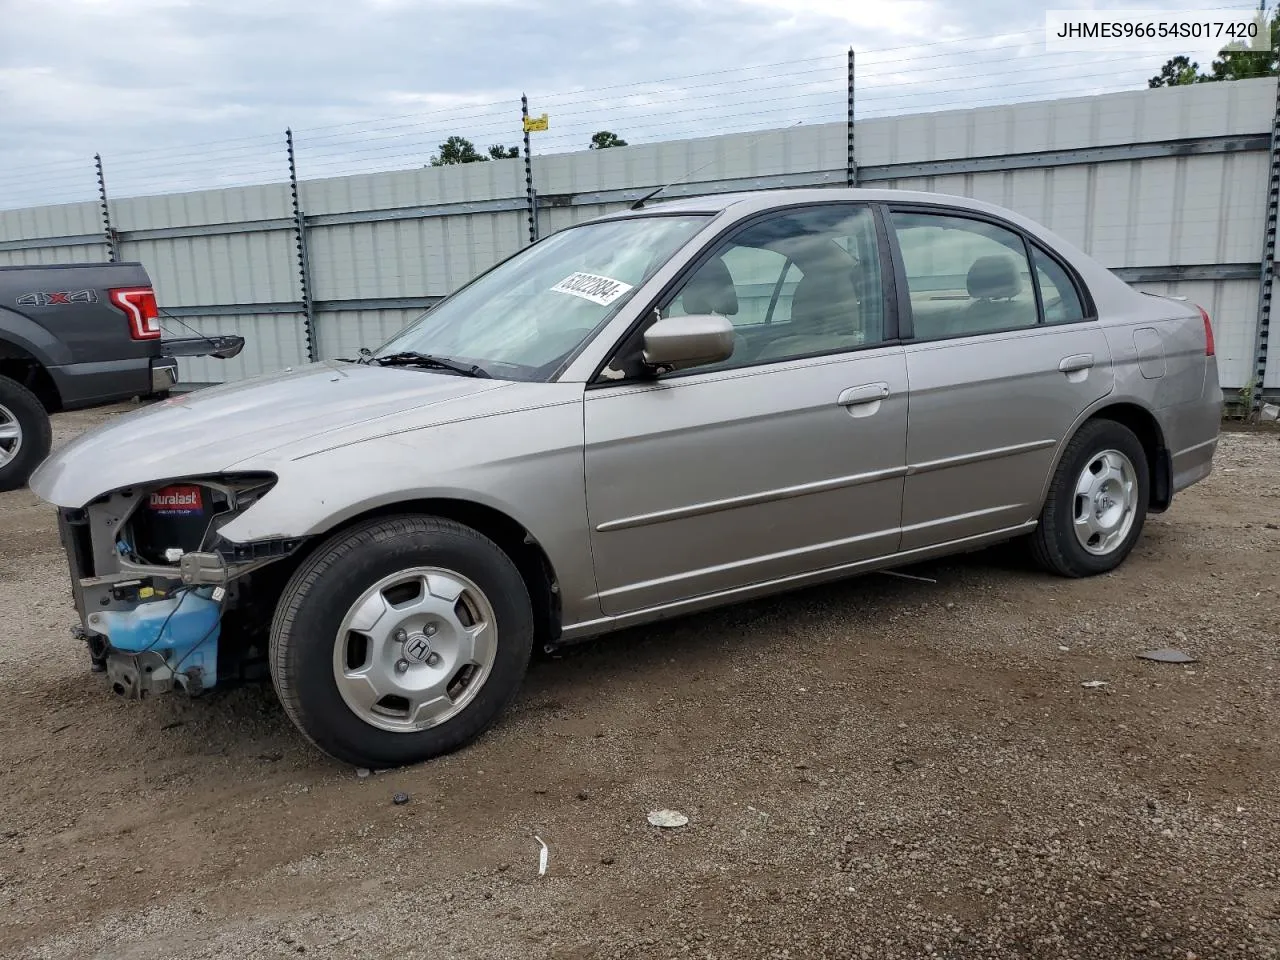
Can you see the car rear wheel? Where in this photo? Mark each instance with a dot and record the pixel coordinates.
(25, 434)
(401, 640)
(1097, 502)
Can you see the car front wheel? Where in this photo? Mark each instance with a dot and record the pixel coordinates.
(1097, 502)
(400, 640)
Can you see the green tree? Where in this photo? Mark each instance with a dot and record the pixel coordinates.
(1176, 73)
(1237, 61)
(457, 150)
(499, 152)
(605, 139)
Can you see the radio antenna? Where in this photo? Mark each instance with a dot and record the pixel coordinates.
(653, 193)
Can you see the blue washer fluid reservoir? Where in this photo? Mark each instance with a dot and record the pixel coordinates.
(183, 628)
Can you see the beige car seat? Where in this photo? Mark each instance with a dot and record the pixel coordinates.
(825, 316)
(994, 285)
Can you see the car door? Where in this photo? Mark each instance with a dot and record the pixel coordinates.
(1002, 361)
(788, 457)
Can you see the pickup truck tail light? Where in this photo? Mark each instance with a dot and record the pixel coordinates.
(1208, 332)
(139, 305)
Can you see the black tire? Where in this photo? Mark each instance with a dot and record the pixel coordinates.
(311, 609)
(36, 433)
(1054, 545)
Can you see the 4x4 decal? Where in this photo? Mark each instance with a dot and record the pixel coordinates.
(43, 299)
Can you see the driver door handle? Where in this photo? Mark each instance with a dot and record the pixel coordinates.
(867, 393)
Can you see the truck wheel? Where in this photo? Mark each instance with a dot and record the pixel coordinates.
(400, 640)
(25, 434)
(1097, 502)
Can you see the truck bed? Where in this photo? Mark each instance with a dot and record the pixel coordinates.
(85, 334)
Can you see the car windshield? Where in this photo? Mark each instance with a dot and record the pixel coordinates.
(522, 319)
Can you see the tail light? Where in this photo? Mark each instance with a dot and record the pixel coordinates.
(1208, 332)
(139, 305)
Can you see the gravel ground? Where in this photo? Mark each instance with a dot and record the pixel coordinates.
(882, 768)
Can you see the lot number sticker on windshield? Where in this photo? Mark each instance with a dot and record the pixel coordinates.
(588, 286)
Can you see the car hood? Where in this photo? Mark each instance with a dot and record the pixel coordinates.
(211, 430)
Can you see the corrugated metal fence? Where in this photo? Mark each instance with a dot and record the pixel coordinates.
(1168, 187)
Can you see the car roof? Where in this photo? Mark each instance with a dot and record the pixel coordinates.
(742, 204)
(751, 201)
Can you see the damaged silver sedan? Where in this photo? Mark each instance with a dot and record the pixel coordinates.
(656, 412)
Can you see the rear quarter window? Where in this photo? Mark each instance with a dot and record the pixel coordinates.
(1057, 292)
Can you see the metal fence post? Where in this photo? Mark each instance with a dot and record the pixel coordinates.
(113, 252)
(851, 164)
(531, 196)
(304, 262)
(1268, 272)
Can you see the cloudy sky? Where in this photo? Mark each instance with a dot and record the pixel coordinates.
(193, 93)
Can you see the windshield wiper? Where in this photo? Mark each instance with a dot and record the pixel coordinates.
(411, 358)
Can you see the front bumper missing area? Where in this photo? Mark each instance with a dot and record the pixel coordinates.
(162, 643)
(152, 626)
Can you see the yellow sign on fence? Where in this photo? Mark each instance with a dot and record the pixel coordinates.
(536, 124)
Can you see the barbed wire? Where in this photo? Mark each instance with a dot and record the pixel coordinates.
(939, 74)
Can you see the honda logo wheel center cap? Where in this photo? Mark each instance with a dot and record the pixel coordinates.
(417, 648)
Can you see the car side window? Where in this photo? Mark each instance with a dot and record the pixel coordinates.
(754, 273)
(1057, 293)
(794, 284)
(964, 277)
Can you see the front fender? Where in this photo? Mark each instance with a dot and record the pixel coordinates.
(526, 464)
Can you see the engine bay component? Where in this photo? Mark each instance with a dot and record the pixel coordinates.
(140, 675)
(176, 517)
(203, 568)
(180, 630)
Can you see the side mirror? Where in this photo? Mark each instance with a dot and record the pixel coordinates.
(678, 343)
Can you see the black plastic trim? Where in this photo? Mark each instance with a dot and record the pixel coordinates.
(906, 319)
(257, 550)
(1161, 497)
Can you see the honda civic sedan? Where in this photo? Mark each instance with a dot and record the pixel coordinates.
(659, 411)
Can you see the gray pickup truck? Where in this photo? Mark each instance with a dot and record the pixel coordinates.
(79, 335)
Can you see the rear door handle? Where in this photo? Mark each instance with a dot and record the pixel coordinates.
(867, 393)
(1081, 361)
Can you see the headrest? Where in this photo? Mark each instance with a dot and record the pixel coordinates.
(825, 302)
(993, 278)
(710, 290)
